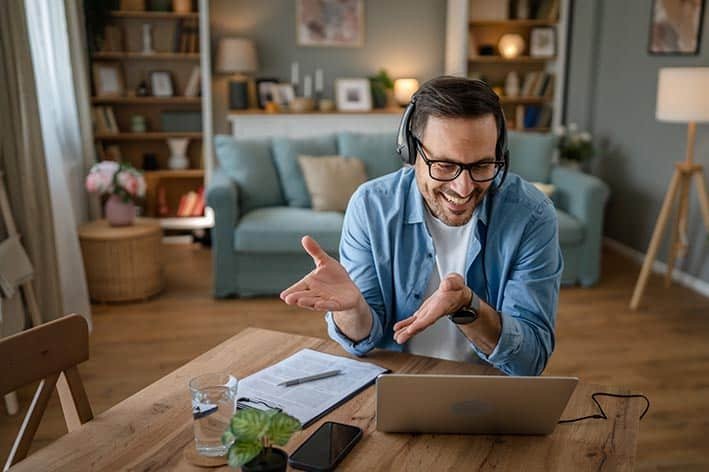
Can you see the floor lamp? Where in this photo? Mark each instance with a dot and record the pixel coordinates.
(682, 96)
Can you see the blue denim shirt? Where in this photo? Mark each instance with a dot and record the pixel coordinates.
(389, 254)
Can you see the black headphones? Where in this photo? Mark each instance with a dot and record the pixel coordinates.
(406, 141)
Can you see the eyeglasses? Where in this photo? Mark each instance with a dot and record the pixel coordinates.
(447, 171)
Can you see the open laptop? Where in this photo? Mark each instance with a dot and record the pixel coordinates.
(471, 404)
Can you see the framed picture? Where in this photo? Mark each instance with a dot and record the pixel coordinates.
(264, 91)
(161, 84)
(676, 26)
(353, 94)
(108, 79)
(542, 42)
(283, 94)
(337, 23)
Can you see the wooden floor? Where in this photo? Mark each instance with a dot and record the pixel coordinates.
(661, 350)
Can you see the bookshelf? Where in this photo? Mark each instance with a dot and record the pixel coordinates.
(471, 24)
(178, 48)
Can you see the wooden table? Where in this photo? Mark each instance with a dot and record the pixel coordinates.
(149, 430)
(122, 262)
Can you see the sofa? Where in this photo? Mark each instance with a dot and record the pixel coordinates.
(262, 207)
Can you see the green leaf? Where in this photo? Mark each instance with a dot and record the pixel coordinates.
(228, 438)
(281, 428)
(242, 452)
(249, 424)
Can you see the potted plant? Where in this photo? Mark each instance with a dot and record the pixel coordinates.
(123, 184)
(382, 88)
(251, 436)
(575, 147)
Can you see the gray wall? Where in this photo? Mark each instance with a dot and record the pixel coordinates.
(407, 37)
(612, 91)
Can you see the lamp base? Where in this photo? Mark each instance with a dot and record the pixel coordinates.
(238, 95)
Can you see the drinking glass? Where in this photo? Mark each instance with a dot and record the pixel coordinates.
(213, 405)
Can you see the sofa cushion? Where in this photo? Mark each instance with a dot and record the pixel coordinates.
(250, 164)
(377, 151)
(332, 180)
(280, 229)
(530, 155)
(285, 155)
(570, 229)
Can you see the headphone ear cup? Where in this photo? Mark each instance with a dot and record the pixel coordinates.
(405, 143)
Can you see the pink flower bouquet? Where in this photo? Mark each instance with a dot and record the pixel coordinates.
(113, 178)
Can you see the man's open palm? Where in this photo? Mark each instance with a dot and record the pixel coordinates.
(327, 287)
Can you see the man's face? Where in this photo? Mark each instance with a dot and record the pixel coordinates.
(462, 140)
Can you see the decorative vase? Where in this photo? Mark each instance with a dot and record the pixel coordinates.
(118, 212)
(178, 153)
(270, 459)
(182, 6)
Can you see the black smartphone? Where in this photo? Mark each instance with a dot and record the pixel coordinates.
(326, 447)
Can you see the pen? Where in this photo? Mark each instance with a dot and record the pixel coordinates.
(310, 378)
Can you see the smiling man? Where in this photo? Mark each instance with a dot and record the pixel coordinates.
(453, 258)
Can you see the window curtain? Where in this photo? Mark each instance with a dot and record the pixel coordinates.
(42, 150)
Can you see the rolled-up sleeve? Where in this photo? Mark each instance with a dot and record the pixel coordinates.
(530, 300)
(357, 258)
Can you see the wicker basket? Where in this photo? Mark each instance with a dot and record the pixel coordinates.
(122, 263)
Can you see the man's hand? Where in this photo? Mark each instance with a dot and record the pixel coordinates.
(327, 288)
(452, 294)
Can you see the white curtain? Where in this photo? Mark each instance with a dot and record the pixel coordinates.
(63, 145)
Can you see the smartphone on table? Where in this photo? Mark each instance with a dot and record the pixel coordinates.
(326, 447)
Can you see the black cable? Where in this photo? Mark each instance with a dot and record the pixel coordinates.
(600, 408)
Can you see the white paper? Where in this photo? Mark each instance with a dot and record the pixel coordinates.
(308, 400)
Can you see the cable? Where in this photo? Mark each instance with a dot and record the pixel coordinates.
(600, 408)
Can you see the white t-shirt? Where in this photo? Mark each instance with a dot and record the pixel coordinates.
(443, 339)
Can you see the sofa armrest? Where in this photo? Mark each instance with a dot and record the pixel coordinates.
(584, 197)
(223, 198)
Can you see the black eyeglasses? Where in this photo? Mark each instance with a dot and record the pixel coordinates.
(446, 171)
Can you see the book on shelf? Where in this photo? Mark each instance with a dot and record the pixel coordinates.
(545, 10)
(104, 120)
(191, 203)
(192, 89)
(186, 38)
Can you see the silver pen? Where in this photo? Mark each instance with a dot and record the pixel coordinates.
(310, 378)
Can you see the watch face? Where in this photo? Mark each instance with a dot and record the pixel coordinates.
(464, 316)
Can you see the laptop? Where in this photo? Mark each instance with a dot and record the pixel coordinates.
(471, 404)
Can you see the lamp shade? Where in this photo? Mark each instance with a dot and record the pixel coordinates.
(236, 55)
(511, 45)
(683, 94)
(404, 89)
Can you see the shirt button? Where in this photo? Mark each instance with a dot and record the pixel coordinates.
(417, 296)
(429, 255)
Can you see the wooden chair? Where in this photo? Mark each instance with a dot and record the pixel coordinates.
(47, 353)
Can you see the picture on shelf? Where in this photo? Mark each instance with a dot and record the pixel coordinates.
(264, 90)
(108, 79)
(283, 94)
(353, 94)
(330, 23)
(542, 42)
(161, 84)
(676, 27)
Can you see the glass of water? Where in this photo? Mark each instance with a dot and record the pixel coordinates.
(213, 405)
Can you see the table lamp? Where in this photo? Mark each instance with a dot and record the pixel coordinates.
(404, 89)
(511, 45)
(237, 56)
(682, 97)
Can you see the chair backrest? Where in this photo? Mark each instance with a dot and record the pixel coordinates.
(43, 354)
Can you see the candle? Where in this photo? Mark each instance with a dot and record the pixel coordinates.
(318, 80)
(294, 73)
(306, 86)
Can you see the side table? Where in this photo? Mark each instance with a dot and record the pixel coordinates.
(122, 263)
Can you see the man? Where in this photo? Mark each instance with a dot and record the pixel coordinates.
(456, 235)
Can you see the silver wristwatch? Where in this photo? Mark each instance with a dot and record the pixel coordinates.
(467, 314)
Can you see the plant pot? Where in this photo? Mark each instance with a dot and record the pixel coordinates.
(269, 460)
(118, 212)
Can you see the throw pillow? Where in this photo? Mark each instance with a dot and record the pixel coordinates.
(331, 180)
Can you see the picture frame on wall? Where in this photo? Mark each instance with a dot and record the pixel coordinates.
(338, 23)
(161, 83)
(353, 94)
(542, 42)
(265, 92)
(108, 79)
(675, 27)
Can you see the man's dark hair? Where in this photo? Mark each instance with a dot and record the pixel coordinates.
(454, 97)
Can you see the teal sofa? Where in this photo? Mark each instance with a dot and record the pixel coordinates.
(262, 206)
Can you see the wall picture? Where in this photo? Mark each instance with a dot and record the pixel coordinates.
(330, 23)
(676, 26)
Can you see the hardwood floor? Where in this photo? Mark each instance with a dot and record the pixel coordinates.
(662, 350)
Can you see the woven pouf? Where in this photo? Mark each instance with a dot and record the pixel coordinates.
(122, 263)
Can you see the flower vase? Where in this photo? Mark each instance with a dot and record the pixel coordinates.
(178, 153)
(118, 212)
